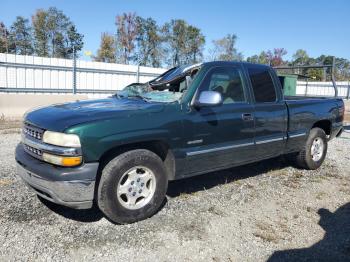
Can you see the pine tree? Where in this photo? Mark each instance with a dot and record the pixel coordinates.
(41, 35)
(194, 45)
(75, 41)
(20, 37)
(148, 42)
(55, 35)
(184, 43)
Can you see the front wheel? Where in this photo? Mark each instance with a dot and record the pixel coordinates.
(315, 150)
(132, 186)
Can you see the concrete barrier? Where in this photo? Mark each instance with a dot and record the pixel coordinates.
(13, 106)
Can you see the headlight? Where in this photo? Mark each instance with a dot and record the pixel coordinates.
(61, 139)
(62, 160)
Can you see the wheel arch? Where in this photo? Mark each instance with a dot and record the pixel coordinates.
(158, 147)
(325, 125)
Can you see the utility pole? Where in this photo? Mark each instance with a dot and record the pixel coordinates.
(74, 73)
(333, 77)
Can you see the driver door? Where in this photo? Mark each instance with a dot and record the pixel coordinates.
(221, 136)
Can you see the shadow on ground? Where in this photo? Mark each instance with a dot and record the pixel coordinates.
(83, 215)
(207, 181)
(335, 246)
(178, 187)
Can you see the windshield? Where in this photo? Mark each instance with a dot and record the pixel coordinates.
(168, 87)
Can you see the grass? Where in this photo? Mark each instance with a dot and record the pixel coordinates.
(5, 182)
(320, 195)
(9, 124)
(266, 232)
(266, 236)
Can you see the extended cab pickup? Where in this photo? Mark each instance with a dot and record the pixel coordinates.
(120, 152)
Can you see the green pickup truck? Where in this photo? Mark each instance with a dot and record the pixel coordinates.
(119, 153)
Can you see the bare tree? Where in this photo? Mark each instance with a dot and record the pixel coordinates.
(276, 56)
(224, 49)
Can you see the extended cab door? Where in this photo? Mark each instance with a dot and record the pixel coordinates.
(270, 111)
(221, 136)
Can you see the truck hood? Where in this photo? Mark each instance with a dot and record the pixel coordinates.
(61, 116)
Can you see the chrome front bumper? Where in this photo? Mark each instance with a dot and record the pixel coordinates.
(72, 187)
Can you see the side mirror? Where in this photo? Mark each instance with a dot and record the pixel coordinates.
(208, 99)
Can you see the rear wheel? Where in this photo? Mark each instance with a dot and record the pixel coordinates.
(132, 186)
(314, 151)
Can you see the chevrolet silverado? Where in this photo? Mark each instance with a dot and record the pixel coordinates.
(120, 152)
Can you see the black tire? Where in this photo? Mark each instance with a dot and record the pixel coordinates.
(304, 157)
(113, 172)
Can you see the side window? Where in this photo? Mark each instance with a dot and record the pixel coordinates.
(263, 87)
(227, 81)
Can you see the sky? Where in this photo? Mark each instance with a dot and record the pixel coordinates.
(319, 27)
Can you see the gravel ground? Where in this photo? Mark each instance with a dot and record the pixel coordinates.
(267, 210)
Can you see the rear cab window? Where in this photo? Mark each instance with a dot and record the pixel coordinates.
(262, 84)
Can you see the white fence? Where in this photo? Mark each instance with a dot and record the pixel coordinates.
(322, 89)
(31, 74)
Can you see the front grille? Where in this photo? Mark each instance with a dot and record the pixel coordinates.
(33, 131)
(37, 153)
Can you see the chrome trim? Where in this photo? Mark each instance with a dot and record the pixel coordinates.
(194, 153)
(297, 135)
(37, 153)
(269, 140)
(209, 98)
(195, 142)
(56, 150)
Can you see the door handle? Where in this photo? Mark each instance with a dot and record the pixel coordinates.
(247, 117)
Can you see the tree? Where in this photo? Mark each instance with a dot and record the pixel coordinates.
(184, 43)
(20, 38)
(54, 34)
(4, 44)
(264, 58)
(224, 49)
(126, 36)
(275, 57)
(174, 35)
(342, 69)
(74, 41)
(56, 25)
(148, 42)
(253, 59)
(107, 51)
(41, 36)
(194, 44)
(300, 57)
